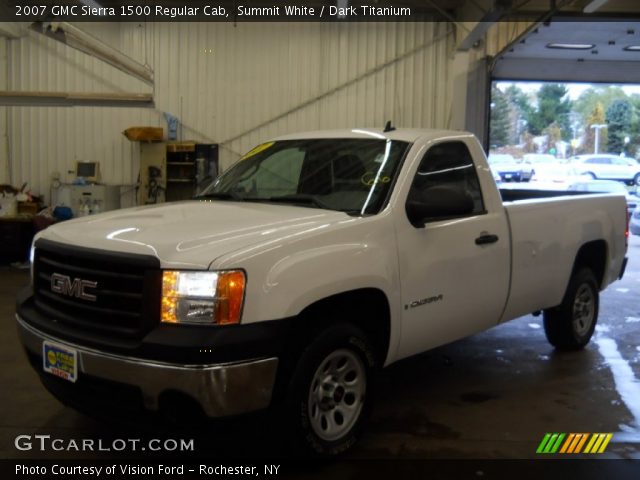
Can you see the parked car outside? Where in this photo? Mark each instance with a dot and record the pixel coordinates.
(608, 167)
(634, 221)
(606, 186)
(508, 168)
(549, 172)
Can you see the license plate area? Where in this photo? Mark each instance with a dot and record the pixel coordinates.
(60, 360)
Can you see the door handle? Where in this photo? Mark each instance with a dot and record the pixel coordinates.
(485, 239)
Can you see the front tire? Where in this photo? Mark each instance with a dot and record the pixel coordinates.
(636, 180)
(570, 325)
(328, 399)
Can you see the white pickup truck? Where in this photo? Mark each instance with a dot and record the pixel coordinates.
(314, 260)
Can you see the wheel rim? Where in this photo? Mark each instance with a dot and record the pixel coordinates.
(584, 307)
(336, 394)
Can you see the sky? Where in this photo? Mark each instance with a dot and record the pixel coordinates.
(575, 89)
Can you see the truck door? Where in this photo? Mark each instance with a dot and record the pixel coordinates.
(454, 270)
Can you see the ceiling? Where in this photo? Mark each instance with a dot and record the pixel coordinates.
(604, 58)
(609, 39)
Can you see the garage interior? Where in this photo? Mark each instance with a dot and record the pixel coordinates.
(219, 89)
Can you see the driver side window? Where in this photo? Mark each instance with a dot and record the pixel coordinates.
(447, 166)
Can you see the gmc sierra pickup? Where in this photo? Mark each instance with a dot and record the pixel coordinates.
(316, 259)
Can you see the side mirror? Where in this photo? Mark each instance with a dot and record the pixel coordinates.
(438, 203)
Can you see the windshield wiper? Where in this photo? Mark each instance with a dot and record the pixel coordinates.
(302, 198)
(221, 196)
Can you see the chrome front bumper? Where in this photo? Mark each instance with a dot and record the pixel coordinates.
(221, 389)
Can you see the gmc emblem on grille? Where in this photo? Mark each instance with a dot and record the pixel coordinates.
(63, 285)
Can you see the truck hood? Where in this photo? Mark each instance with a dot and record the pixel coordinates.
(190, 234)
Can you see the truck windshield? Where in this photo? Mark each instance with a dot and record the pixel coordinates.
(349, 175)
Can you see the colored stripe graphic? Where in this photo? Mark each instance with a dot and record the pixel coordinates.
(543, 443)
(550, 443)
(600, 442)
(581, 442)
(590, 444)
(553, 443)
(576, 440)
(605, 442)
(567, 443)
(556, 446)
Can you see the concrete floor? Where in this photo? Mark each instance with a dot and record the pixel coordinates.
(491, 396)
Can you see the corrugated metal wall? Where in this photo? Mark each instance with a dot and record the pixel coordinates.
(502, 34)
(236, 85)
(4, 151)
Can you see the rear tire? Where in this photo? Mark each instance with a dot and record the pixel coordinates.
(329, 397)
(636, 180)
(570, 325)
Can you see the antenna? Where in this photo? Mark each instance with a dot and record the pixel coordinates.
(389, 127)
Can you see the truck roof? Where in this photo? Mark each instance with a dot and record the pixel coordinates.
(401, 134)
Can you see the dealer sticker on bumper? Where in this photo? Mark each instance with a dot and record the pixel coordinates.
(60, 360)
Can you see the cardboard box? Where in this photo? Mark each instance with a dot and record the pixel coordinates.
(144, 134)
(29, 208)
(174, 147)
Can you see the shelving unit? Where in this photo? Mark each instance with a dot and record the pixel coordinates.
(181, 170)
(171, 171)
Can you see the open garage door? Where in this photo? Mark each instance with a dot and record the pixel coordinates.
(569, 49)
(565, 106)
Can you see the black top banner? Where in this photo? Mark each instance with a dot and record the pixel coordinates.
(253, 11)
(218, 11)
(292, 10)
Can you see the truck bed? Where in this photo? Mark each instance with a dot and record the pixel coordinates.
(546, 227)
(515, 194)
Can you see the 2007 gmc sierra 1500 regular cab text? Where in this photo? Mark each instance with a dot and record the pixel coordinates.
(314, 260)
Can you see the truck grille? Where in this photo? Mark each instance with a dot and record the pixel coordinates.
(96, 290)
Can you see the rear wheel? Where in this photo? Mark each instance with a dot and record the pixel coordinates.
(591, 174)
(328, 398)
(636, 180)
(570, 325)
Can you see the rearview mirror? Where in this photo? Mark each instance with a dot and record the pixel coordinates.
(437, 203)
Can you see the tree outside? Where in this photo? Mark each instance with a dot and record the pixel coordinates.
(553, 107)
(596, 117)
(619, 117)
(500, 121)
(546, 119)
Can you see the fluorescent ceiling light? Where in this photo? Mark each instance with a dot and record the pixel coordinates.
(632, 48)
(571, 46)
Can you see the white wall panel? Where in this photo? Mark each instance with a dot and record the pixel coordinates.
(261, 80)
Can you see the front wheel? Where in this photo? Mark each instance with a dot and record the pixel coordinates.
(570, 325)
(329, 394)
(636, 180)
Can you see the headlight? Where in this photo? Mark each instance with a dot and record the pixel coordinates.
(202, 298)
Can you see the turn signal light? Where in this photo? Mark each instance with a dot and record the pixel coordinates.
(202, 298)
